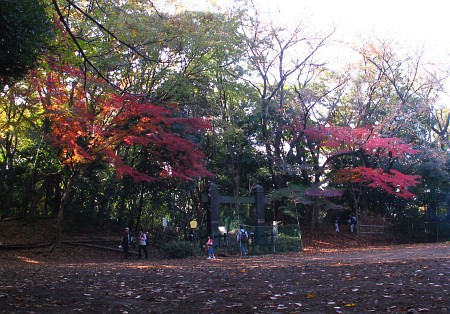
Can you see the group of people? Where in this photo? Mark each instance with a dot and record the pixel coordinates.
(351, 220)
(127, 240)
(242, 238)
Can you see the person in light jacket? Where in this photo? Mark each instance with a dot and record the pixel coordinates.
(142, 244)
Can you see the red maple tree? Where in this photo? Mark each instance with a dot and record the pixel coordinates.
(88, 124)
(89, 127)
(371, 157)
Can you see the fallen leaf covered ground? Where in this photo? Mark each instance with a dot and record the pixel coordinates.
(382, 279)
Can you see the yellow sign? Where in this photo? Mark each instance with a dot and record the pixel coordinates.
(193, 224)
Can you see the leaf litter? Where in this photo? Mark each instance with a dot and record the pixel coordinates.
(394, 280)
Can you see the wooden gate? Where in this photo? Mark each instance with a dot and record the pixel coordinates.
(214, 199)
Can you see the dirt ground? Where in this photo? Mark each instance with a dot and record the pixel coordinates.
(378, 279)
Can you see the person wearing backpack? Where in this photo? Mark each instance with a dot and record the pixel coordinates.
(243, 240)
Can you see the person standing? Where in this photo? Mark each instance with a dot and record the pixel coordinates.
(126, 242)
(336, 224)
(243, 240)
(210, 246)
(353, 223)
(142, 244)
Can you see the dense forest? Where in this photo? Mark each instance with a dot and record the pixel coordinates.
(128, 110)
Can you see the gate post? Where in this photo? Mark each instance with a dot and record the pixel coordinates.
(258, 238)
(259, 200)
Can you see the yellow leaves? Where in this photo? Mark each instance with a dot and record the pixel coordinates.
(350, 305)
(78, 159)
(309, 296)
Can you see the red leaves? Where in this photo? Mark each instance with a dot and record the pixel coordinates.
(392, 182)
(341, 139)
(357, 144)
(88, 127)
(338, 137)
(388, 147)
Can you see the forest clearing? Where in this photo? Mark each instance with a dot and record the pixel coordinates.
(384, 279)
(334, 273)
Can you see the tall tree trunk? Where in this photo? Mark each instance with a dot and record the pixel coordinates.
(36, 198)
(58, 194)
(37, 195)
(139, 209)
(5, 167)
(62, 205)
(356, 201)
(314, 214)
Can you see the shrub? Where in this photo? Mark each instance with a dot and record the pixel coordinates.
(286, 243)
(178, 249)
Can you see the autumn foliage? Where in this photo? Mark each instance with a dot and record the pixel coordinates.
(89, 124)
(365, 157)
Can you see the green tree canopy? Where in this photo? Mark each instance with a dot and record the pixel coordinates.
(24, 30)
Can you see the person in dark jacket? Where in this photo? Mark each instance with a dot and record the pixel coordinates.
(242, 238)
(126, 242)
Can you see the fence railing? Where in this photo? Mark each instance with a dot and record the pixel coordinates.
(262, 240)
(377, 229)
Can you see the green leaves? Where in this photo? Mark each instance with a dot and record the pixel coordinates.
(25, 28)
